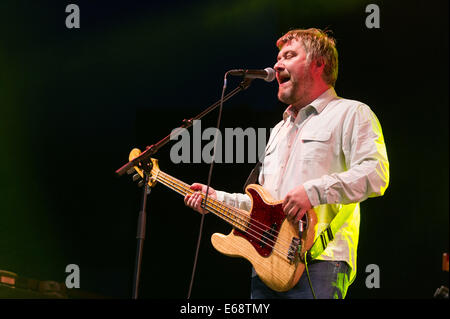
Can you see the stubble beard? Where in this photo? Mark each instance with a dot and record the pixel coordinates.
(298, 93)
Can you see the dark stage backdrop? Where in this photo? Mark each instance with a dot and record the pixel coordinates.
(74, 102)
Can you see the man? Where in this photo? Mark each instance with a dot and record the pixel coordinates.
(327, 153)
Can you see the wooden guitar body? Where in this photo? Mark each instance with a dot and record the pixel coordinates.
(278, 265)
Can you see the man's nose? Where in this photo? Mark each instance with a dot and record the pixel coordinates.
(279, 66)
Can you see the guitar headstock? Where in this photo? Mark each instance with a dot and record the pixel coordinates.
(152, 169)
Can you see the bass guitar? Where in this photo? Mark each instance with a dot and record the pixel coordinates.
(274, 246)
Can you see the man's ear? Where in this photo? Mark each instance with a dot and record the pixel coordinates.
(317, 66)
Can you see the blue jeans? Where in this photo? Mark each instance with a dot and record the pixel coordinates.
(330, 280)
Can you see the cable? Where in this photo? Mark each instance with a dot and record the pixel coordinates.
(207, 187)
(307, 274)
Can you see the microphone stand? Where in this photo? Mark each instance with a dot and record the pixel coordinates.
(143, 161)
(140, 236)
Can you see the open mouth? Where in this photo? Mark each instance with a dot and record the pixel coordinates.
(283, 78)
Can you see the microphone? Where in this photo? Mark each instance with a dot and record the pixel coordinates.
(268, 74)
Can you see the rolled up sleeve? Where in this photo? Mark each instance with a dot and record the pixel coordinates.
(238, 200)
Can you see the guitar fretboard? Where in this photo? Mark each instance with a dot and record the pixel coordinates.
(234, 216)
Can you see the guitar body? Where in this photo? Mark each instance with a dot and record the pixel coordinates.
(270, 242)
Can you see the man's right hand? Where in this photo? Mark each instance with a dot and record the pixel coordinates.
(194, 200)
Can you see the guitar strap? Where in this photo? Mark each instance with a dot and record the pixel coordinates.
(321, 242)
(254, 174)
(253, 177)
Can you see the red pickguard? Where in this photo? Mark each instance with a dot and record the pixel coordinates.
(265, 221)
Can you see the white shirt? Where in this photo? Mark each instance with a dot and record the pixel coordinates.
(335, 148)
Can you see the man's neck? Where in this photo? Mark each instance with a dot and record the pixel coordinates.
(296, 107)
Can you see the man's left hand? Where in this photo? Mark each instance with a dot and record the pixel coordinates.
(296, 204)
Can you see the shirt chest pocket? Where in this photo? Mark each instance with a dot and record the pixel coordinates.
(315, 145)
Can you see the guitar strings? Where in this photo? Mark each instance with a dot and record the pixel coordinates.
(238, 213)
(252, 235)
(222, 214)
(225, 208)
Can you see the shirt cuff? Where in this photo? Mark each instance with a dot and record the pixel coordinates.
(315, 194)
(220, 196)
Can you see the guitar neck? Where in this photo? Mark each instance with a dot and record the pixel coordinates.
(235, 217)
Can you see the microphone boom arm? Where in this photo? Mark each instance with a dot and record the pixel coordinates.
(152, 149)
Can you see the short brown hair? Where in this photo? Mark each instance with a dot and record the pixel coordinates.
(317, 45)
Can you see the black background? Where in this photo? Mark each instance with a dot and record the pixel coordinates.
(74, 102)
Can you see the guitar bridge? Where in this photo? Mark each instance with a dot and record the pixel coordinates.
(293, 249)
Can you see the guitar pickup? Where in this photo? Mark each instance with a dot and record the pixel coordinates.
(268, 237)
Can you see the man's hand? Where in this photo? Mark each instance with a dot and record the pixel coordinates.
(296, 204)
(195, 199)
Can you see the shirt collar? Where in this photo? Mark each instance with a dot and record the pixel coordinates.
(318, 104)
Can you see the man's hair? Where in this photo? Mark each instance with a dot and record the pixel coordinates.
(318, 45)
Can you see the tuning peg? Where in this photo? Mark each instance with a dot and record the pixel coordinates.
(136, 177)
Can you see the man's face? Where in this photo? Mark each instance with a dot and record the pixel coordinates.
(293, 74)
